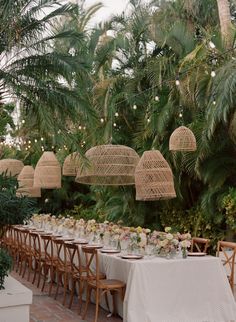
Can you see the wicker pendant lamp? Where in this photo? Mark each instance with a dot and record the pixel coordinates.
(153, 177)
(47, 173)
(25, 181)
(182, 139)
(71, 165)
(11, 167)
(109, 165)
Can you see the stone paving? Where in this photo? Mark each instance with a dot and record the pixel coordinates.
(46, 309)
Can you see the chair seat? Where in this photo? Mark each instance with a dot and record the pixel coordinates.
(107, 284)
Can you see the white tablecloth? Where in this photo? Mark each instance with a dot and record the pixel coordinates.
(179, 290)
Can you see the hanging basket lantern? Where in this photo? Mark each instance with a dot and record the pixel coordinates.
(71, 165)
(11, 167)
(47, 173)
(182, 139)
(25, 181)
(154, 178)
(109, 165)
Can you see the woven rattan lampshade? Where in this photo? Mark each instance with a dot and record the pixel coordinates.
(109, 165)
(47, 173)
(11, 167)
(71, 165)
(182, 139)
(25, 181)
(153, 177)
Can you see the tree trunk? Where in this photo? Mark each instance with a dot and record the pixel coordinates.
(225, 22)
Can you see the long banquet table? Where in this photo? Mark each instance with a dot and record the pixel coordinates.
(195, 289)
(177, 290)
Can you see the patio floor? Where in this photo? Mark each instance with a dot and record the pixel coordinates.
(46, 309)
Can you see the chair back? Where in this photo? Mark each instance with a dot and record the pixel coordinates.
(228, 250)
(23, 237)
(200, 244)
(60, 253)
(72, 256)
(47, 247)
(91, 257)
(35, 245)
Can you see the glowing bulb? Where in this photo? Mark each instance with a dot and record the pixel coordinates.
(116, 114)
(84, 127)
(80, 127)
(35, 140)
(52, 146)
(180, 114)
(213, 73)
(29, 146)
(23, 121)
(84, 142)
(177, 82)
(29, 142)
(114, 124)
(157, 99)
(102, 120)
(212, 45)
(148, 120)
(214, 102)
(135, 107)
(41, 139)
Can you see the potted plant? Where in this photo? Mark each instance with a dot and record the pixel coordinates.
(14, 210)
(5, 266)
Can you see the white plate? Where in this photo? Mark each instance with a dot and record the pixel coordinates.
(80, 241)
(110, 251)
(94, 246)
(196, 254)
(131, 256)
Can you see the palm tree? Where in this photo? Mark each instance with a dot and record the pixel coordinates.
(31, 70)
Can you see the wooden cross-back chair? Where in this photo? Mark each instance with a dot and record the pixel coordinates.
(228, 250)
(50, 262)
(24, 255)
(200, 244)
(37, 257)
(77, 273)
(101, 286)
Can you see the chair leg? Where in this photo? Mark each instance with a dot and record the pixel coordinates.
(113, 293)
(72, 293)
(81, 288)
(40, 271)
(58, 276)
(65, 287)
(107, 303)
(52, 279)
(97, 304)
(88, 296)
(35, 272)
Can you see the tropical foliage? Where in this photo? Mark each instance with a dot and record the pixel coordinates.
(132, 81)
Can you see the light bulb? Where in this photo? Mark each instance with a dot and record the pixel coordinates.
(177, 82)
(212, 45)
(23, 121)
(52, 146)
(180, 114)
(84, 127)
(35, 140)
(102, 120)
(114, 124)
(157, 99)
(116, 114)
(29, 142)
(41, 139)
(80, 127)
(148, 120)
(213, 73)
(214, 102)
(84, 142)
(135, 107)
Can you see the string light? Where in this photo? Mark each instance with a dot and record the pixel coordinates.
(102, 120)
(84, 127)
(114, 124)
(116, 114)
(157, 99)
(177, 82)
(80, 127)
(35, 140)
(180, 114)
(135, 107)
(41, 139)
(23, 121)
(213, 73)
(29, 142)
(148, 120)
